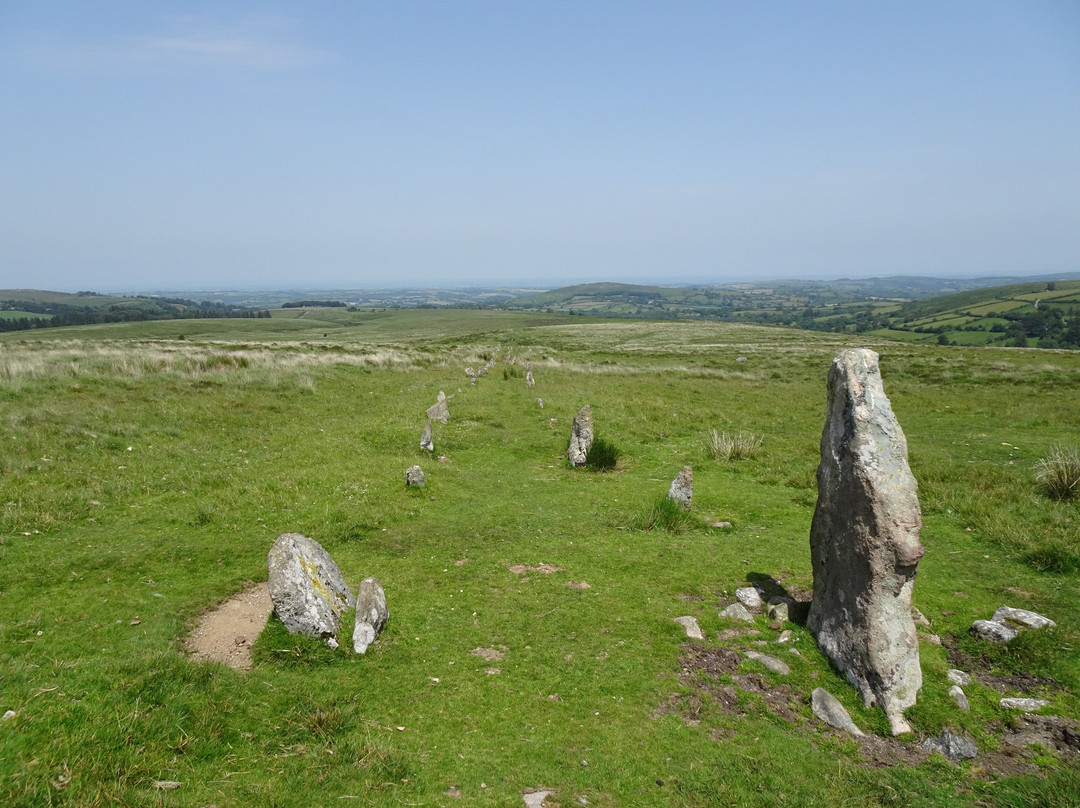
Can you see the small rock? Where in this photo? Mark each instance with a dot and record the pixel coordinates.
(771, 663)
(1022, 616)
(690, 624)
(682, 487)
(958, 677)
(933, 639)
(959, 697)
(535, 799)
(919, 617)
(993, 631)
(740, 359)
(1027, 705)
(736, 611)
(414, 476)
(540, 402)
(750, 597)
(10, 714)
(779, 609)
(832, 712)
(529, 381)
(952, 745)
(440, 410)
(720, 525)
(167, 785)
(785, 636)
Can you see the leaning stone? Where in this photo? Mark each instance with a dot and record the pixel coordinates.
(414, 476)
(952, 745)
(425, 439)
(371, 614)
(780, 608)
(993, 631)
(581, 436)
(440, 410)
(750, 597)
(832, 712)
(736, 611)
(1022, 616)
(770, 662)
(306, 587)
(864, 541)
(959, 697)
(1027, 705)
(690, 624)
(682, 487)
(958, 677)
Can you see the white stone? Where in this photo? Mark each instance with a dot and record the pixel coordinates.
(736, 611)
(690, 624)
(750, 597)
(832, 712)
(371, 614)
(993, 631)
(1027, 705)
(1025, 618)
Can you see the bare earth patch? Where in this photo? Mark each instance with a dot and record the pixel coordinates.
(547, 569)
(226, 634)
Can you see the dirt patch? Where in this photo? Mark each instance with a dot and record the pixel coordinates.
(226, 634)
(489, 654)
(547, 569)
(979, 667)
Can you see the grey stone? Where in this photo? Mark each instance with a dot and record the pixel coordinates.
(958, 677)
(535, 799)
(832, 712)
(770, 662)
(540, 402)
(864, 541)
(750, 597)
(952, 745)
(425, 439)
(529, 382)
(993, 631)
(440, 410)
(785, 636)
(1027, 705)
(307, 588)
(736, 611)
(740, 359)
(414, 476)
(8, 715)
(690, 624)
(581, 436)
(1022, 616)
(959, 697)
(682, 487)
(371, 614)
(779, 608)
(919, 618)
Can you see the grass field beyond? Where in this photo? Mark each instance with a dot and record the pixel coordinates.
(146, 469)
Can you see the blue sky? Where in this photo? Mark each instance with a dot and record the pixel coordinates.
(362, 144)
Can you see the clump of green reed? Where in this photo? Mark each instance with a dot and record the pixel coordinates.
(1058, 474)
(663, 513)
(602, 456)
(736, 446)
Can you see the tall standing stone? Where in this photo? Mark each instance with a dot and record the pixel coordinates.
(529, 382)
(440, 410)
(682, 487)
(864, 541)
(307, 588)
(581, 436)
(425, 439)
(371, 614)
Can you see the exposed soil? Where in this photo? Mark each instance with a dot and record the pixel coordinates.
(547, 569)
(226, 634)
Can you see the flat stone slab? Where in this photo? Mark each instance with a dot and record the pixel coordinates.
(993, 631)
(1027, 705)
(832, 712)
(771, 663)
(952, 745)
(736, 611)
(690, 624)
(1007, 614)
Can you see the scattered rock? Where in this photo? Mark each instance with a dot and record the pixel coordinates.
(682, 487)
(535, 799)
(371, 614)
(1023, 617)
(690, 624)
(779, 608)
(720, 525)
(740, 359)
(306, 587)
(414, 476)
(10, 714)
(736, 611)
(919, 617)
(547, 569)
(167, 785)
(960, 698)
(933, 639)
(785, 636)
(771, 663)
(993, 631)
(581, 436)
(440, 410)
(425, 439)
(832, 712)
(952, 745)
(864, 541)
(1025, 704)
(750, 597)
(958, 677)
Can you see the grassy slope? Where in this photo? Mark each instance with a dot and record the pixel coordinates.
(139, 491)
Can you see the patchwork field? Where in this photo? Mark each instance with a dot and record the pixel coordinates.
(146, 468)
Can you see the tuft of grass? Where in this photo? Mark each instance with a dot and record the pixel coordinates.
(1058, 474)
(737, 446)
(664, 514)
(602, 456)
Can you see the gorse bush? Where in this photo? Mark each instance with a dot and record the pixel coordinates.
(1058, 474)
(602, 456)
(737, 446)
(663, 513)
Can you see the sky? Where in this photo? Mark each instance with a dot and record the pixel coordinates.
(244, 145)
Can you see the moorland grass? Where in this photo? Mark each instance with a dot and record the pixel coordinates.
(134, 494)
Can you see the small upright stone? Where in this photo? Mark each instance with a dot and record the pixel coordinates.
(779, 608)
(307, 588)
(864, 541)
(690, 625)
(371, 614)
(425, 439)
(440, 410)
(581, 436)
(414, 476)
(958, 695)
(682, 487)
(528, 375)
(826, 707)
(750, 597)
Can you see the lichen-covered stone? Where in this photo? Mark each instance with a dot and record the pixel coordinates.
(682, 487)
(307, 588)
(371, 614)
(414, 476)
(440, 410)
(864, 541)
(1023, 617)
(993, 631)
(581, 436)
(425, 438)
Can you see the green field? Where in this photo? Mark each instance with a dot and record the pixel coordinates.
(147, 468)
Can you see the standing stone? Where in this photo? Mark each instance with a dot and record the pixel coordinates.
(864, 541)
(307, 588)
(440, 410)
(682, 487)
(750, 597)
(414, 476)
(528, 375)
(371, 614)
(690, 624)
(581, 436)
(425, 439)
